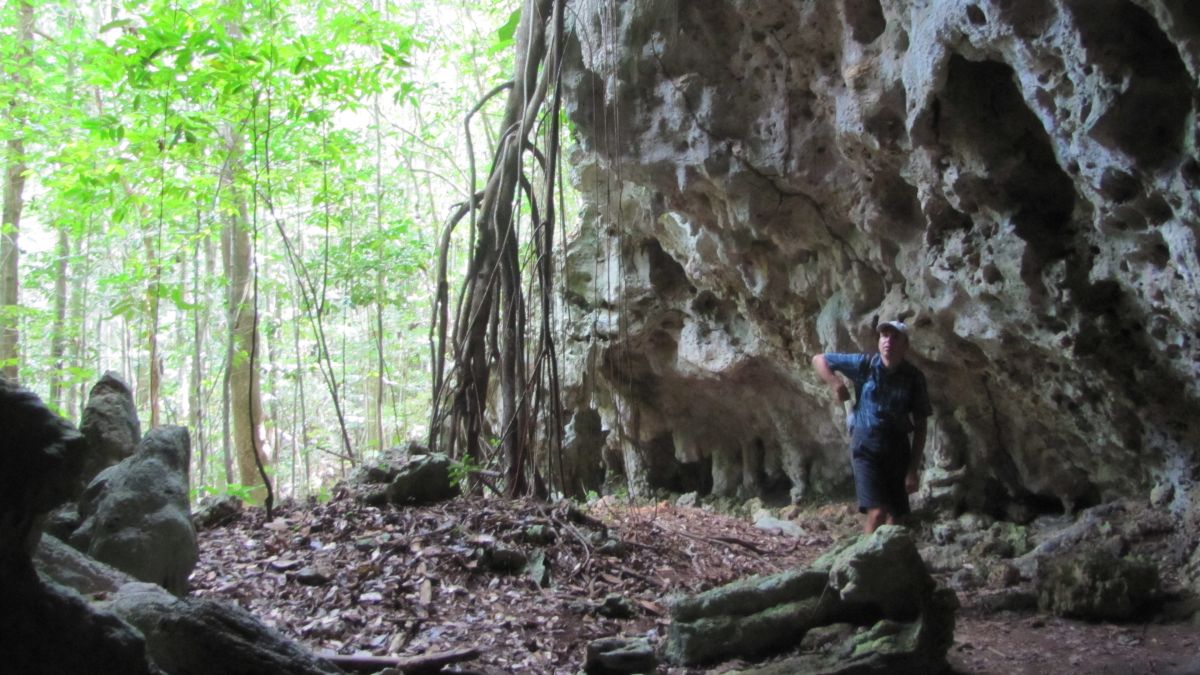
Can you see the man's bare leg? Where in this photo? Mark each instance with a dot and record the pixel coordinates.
(876, 517)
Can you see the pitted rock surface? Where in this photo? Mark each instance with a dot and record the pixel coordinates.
(870, 605)
(39, 462)
(764, 181)
(136, 514)
(110, 424)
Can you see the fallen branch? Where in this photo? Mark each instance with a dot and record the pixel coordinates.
(726, 540)
(405, 664)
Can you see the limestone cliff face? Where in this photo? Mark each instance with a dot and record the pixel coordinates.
(767, 179)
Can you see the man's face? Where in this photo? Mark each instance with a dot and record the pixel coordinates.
(893, 345)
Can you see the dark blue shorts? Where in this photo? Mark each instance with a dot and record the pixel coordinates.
(879, 475)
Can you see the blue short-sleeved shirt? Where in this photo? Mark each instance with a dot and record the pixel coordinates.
(887, 402)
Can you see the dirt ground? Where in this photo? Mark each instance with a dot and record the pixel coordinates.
(525, 585)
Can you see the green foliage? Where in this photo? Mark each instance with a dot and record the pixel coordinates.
(242, 492)
(506, 34)
(461, 470)
(331, 131)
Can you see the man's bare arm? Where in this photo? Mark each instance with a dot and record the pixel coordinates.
(825, 373)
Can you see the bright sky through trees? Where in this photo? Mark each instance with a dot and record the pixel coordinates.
(157, 137)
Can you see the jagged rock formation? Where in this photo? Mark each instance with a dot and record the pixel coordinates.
(110, 424)
(62, 611)
(181, 635)
(767, 180)
(136, 515)
(40, 463)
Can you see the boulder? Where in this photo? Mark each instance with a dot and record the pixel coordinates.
(205, 637)
(44, 628)
(900, 620)
(62, 521)
(618, 656)
(182, 636)
(136, 513)
(47, 629)
(57, 562)
(382, 468)
(1093, 583)
(423, 479)
(110, 424)
(216, 512)
(41, 457)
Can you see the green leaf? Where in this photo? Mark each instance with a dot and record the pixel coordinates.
(509, 29)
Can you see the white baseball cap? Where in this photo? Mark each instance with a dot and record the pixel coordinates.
(898, 326)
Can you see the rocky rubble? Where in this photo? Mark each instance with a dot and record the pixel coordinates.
(62, 611)
(39, 468)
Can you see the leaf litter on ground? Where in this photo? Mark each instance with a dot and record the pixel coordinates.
(528, 584)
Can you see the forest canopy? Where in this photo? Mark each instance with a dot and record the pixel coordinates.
(237, 207)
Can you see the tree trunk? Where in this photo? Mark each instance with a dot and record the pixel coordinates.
(303, 424)
(491, 320)
(153, 367)
(273, 421)
(79, 343)
(244, 383)
(226, 404)
(58, 337)
(10, 225)
(196, 376)
(379, 381)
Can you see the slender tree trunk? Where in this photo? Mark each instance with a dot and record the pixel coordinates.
(58, 337)
(379, 380)
(196, 376)
(271, 337)
(153, 367)
(227, 371)
(244, 380)
(79, 341)
(299, 393)
(14, 192)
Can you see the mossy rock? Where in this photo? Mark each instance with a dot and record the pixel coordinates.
(1094, 584)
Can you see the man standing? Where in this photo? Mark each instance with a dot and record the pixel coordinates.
(892, 403)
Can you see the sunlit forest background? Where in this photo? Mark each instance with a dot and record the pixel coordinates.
(235, 205)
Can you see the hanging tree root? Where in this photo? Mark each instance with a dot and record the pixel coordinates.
(492, 316)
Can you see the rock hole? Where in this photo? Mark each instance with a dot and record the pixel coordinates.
(886, 126)
(865, 19)
(976, 15)
(1191, 173)
(984, 121)
(897, 199)
(666, 275)
(1157, 210)
(1118, 186)
(1147, 121)
(943, 218)
(1028, 18)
